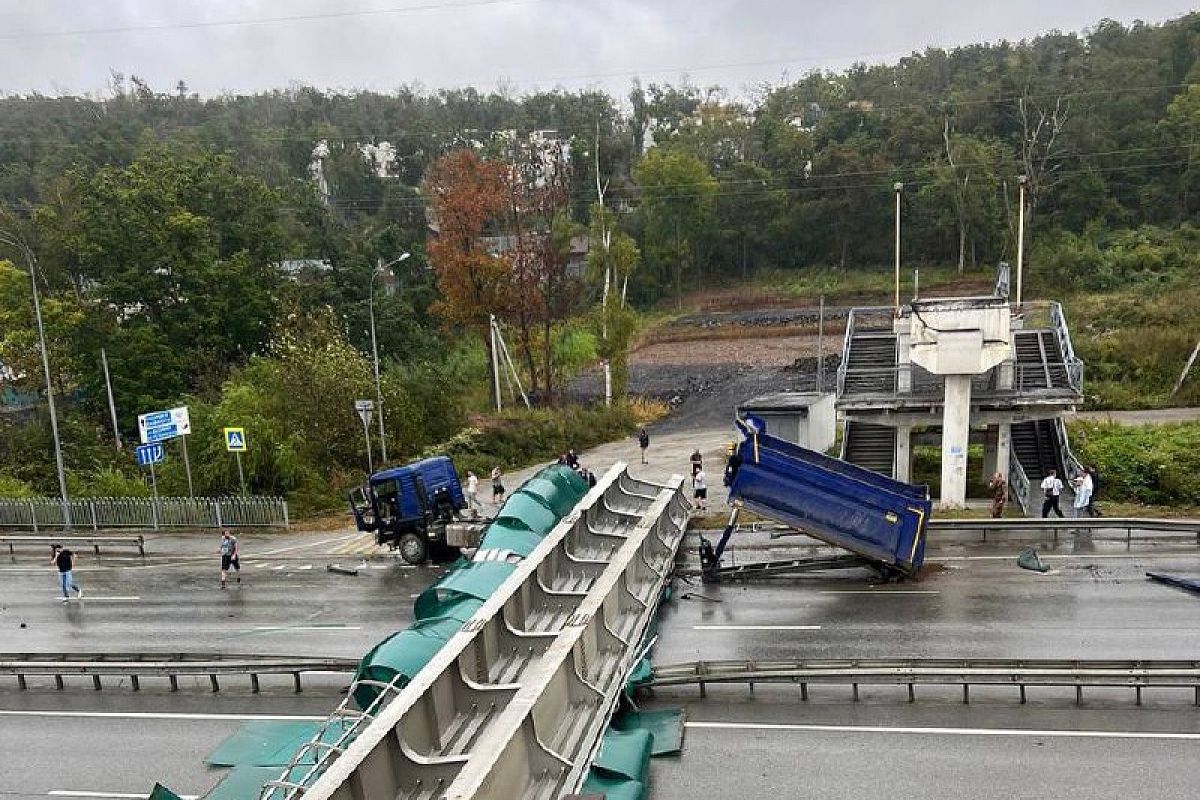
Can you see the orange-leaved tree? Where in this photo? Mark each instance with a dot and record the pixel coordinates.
(465, 194)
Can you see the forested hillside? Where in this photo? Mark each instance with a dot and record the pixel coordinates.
(159, 219)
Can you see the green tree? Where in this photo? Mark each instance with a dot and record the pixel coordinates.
(678, 196)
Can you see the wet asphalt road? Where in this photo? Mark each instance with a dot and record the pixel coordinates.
(975, 602)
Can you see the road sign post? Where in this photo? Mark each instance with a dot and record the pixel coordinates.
(235, 442)
(149, 455)
(364, 407)
(187, 464)
(159, 426)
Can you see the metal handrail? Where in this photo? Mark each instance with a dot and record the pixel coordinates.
(94, 541)
(172, 666)
(923, 383)
(97, 513)
(1018, 482)
(1020, 673)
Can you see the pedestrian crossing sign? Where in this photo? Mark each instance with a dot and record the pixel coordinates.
(235, 440)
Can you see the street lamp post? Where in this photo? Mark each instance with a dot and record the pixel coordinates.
(898, 188)
(31, 261)
(380, 267)
(1023, 180)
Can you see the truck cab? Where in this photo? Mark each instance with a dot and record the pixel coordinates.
(409, 507)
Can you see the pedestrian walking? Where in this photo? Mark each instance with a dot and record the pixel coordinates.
(1083, 494)
(999, 489)
(643, 442)
(572, 459)
(230, 557)
(697, 460)
(64, 560)
(700, 489)
(1095, 476)
(1052, 487)
(473, 493)
(497, 486)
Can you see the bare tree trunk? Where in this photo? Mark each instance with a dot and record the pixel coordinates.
(962, 246)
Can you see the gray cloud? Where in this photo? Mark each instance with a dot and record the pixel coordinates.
(526, 43)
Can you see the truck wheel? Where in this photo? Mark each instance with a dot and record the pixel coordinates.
(413, 549)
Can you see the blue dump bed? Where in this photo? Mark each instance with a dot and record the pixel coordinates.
(862, 511)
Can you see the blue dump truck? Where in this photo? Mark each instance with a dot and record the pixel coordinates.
(880, 521)
(410, 507)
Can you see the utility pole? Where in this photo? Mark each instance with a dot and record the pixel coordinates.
(898, 188)
(1023, 180)
(112, 407)
(821, 347)
(379, 268)
(495, 361)
(31, 261)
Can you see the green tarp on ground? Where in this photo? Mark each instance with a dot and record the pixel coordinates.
(474, 580)
(243, 783)
(625, 753)
(160, 792)
(613, 787)
(267, 744)
(665, 728)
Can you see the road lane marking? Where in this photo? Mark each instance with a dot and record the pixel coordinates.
(756, 627)
(161, 715)
(935, 731)
(89, 598)
(308, 628)
(113, 795)
(880, 591)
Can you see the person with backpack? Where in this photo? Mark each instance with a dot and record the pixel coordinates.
(643, 442)
(1052, 487)
(64, 560)
(229, 557)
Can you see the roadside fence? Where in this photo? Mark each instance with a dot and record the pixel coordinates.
(98, 513)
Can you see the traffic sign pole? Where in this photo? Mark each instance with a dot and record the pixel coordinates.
(154, 488)
(237, 456)
(367, 436)
(187, 465)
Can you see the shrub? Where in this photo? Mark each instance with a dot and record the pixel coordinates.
(1151, 464)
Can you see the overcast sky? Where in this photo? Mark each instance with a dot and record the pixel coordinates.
(215, 46)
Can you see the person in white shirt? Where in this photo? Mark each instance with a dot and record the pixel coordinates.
(700, 489)
(1083, 495)
(473, 493)
(1052, 487)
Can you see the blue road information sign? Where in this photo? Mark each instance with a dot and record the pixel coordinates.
(148, 454)
(162, 425)
(235, 440)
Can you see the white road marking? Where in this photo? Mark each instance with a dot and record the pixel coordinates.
(160, 715)
(115, 795)
(305, 566)
(261, 565)
(308, 628)
(278, 567)
(756, 627)
(880, 591)
(933, 731)
(87, 598)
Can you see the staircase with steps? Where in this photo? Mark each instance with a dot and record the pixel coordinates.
(1035, 447)
(871, 363)
(1040, 362)
(869, 446)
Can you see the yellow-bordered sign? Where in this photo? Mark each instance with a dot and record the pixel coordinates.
(235, 440)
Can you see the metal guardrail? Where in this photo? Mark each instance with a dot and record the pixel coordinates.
(172, 666)
(143, 512)
(77, 541)
(872, 382)
(1145, 527)
(1018, 482)
(514, 704)
(912, 672)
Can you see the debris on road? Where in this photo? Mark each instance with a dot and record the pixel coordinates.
(340, 570)
(1029, 560)
(1191, 584)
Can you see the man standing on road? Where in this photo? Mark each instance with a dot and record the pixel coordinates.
(999, 488)
(700, 489)
(1094, 474)
(643, 442)
(1083, 494)
(1052, 487)
(473, 494)
(64, 559)
(229, 557)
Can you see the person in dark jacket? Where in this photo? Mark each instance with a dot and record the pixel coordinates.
(1095, 475)
(643, 442)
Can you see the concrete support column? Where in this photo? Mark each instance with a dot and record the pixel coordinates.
(903, 356)
(988, 467)
(1003, 448)
(903, 465)
(956, 432)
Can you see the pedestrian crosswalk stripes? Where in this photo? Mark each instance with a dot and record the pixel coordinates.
(363, 544)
